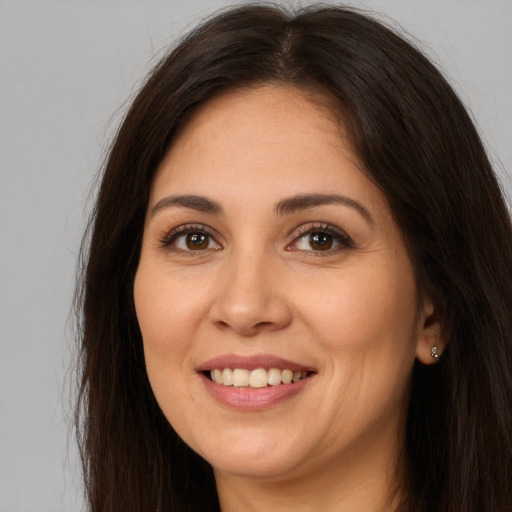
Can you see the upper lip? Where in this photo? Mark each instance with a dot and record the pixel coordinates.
(251, 363)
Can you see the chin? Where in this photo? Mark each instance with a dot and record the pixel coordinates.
(260, 460)
(272, 468)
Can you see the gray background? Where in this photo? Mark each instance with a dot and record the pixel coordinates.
(66, 70)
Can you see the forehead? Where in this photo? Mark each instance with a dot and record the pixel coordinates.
(276, 100)
(268, 140)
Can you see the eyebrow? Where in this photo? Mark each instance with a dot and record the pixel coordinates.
(307, 201)
(194, 202)
(284, 207)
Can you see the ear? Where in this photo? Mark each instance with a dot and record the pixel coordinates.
(432, 336)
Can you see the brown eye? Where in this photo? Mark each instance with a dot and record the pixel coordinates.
(320, 241)
(196, 241)
(188, 239)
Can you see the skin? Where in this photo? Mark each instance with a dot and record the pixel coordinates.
(350, 312)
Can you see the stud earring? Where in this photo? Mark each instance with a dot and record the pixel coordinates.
(435, 352)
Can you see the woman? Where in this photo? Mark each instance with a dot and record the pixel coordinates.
(297, 285)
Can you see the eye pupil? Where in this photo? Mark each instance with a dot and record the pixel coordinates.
(197, 241)
(320, 241)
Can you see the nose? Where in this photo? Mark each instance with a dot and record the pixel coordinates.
(251, 298)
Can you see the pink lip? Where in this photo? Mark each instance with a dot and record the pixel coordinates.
(251, 363)
(252, 399)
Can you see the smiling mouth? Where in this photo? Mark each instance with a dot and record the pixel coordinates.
(257, 378)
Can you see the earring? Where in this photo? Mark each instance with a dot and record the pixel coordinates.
(435, 353)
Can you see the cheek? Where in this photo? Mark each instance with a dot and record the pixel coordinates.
(366, 327)
(369, 313)
(168, 312)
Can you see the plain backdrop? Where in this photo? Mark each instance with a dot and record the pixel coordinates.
(66, 71)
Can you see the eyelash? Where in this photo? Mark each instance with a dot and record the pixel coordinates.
(186, 229)
(338, 236)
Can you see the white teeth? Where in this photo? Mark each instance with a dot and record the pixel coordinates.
(227, 377)
(287, 376)
(240, 377)
(274, 376)
(217, 376)
(258, 378)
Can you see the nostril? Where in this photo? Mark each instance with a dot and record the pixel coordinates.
(262, 324)
(248, 315)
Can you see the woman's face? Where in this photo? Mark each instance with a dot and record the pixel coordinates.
(267, 253)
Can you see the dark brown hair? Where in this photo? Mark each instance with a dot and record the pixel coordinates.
(418, 144)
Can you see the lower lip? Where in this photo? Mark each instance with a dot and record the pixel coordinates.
(253, 399)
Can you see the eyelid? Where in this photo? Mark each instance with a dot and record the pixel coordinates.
(340, 236)
(167, 240)
(321, 227)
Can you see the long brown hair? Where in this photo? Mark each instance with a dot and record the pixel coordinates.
(418, 144)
